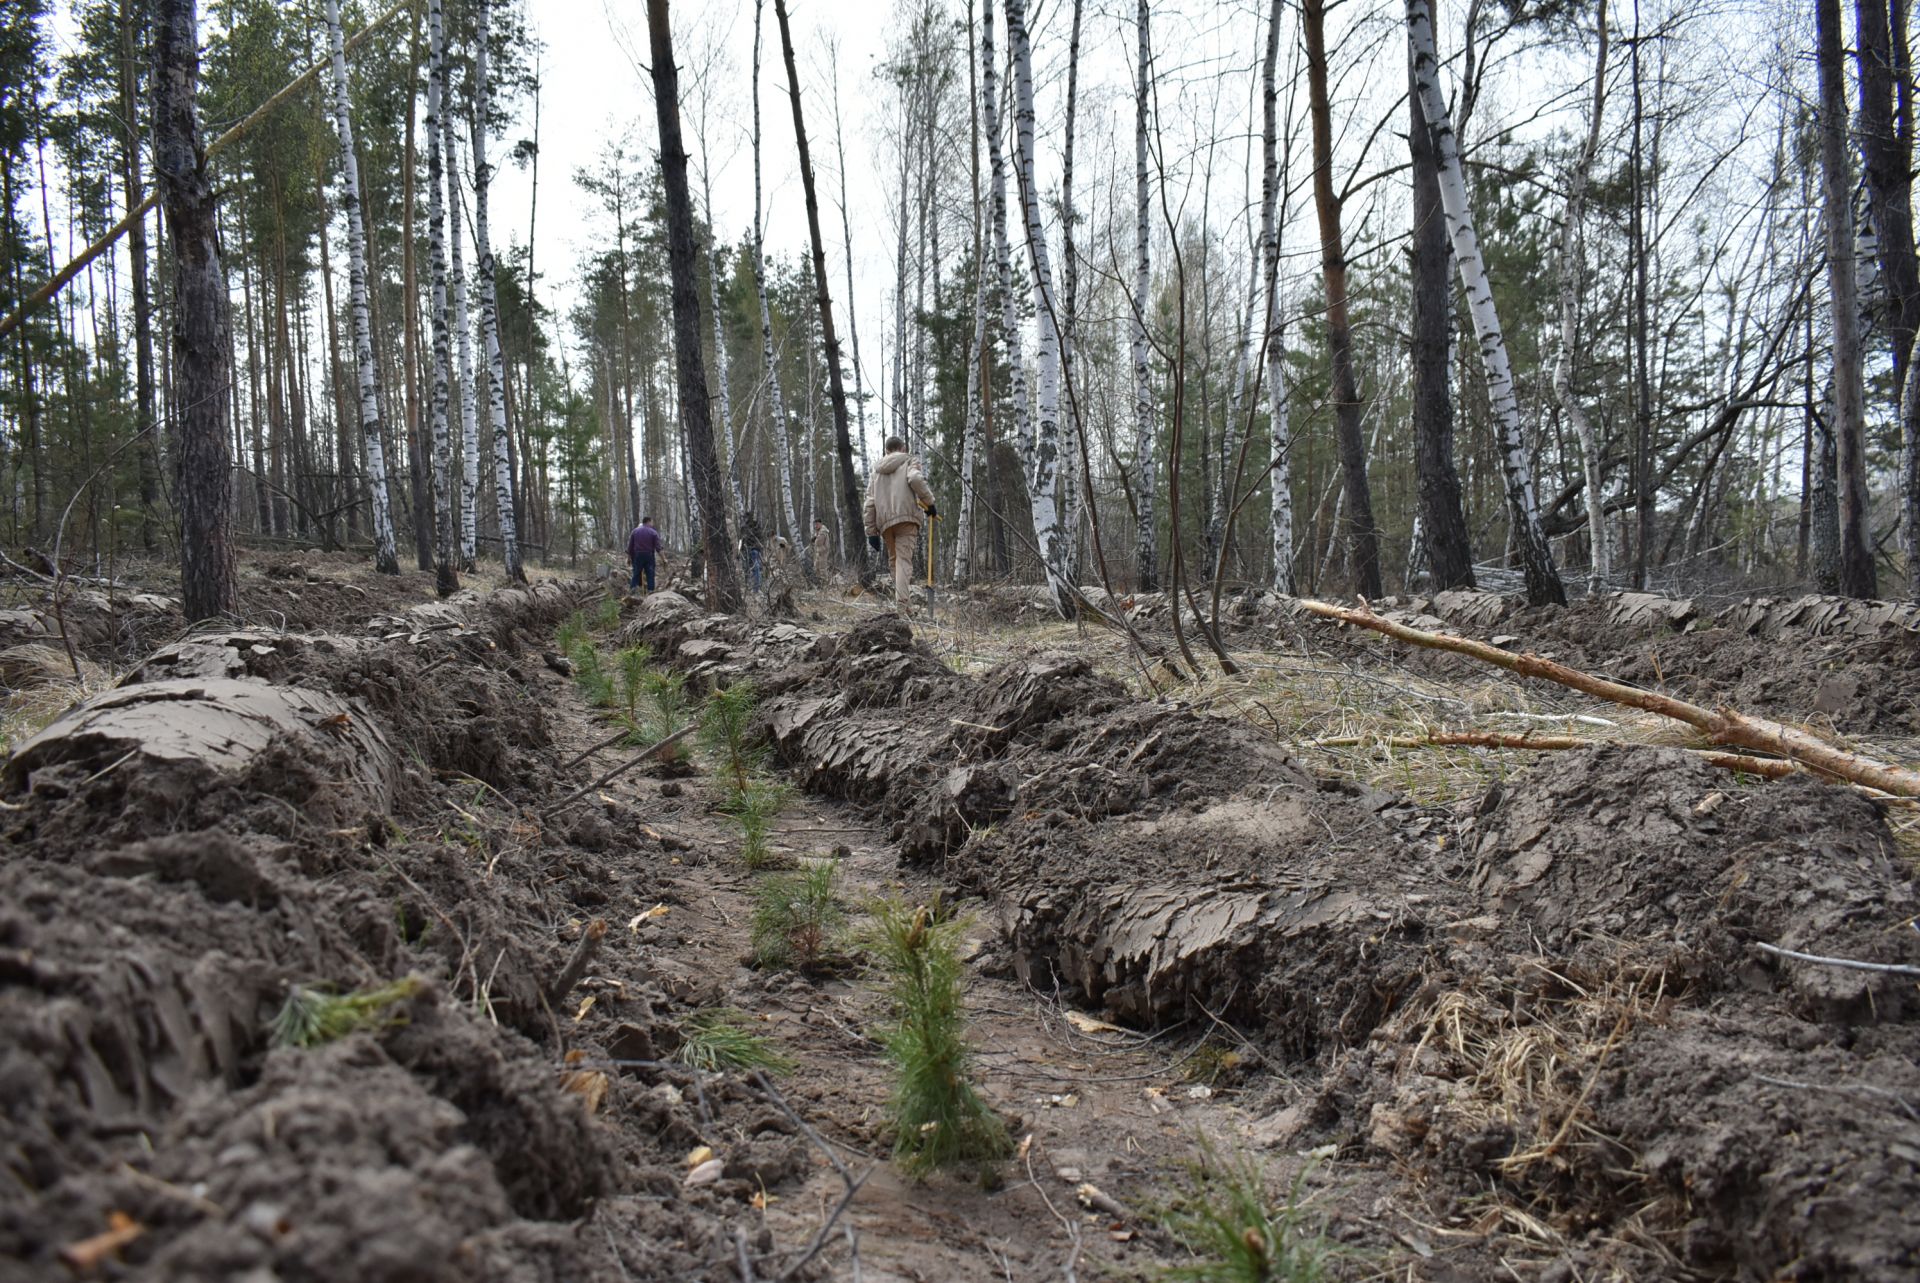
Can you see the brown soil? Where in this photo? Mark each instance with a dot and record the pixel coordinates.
(1532, 1033)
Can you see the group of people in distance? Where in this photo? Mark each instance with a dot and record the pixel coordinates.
(899, 503)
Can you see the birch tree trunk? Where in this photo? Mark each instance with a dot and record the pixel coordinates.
(723, 394)
(1145, 466)
(977, 353)
(1003, 250)
(1363, 534)
(1444, 528)
(1910, 471)
(1046, 436)
(1281, 474)
(778, 436)
(202, 364)
(1849, 382)
(1071, 493)
(1530, 540)
(386, 558)
(490, 310)
(446, 579)
(723, 573)
(469, 417)
(1570, 269)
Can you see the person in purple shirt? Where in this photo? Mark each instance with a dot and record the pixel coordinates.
(643, 547)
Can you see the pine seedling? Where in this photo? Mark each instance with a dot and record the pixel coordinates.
(606, 614)
(633, 678)
(718, 1039)
(313, 1015)
(726, 729)
(796, 917)
(572, 631)
(755, 806)
(591, 675)
(938, 1118)
(1235, 1235)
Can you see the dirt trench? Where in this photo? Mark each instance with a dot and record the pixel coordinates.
(256, 810)
(1503, 999)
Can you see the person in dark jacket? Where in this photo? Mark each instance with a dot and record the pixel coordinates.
(643, 551)
(750, 542)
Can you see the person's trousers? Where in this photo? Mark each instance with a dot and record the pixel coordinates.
(753, 567)
(642, 565)
(900, 544)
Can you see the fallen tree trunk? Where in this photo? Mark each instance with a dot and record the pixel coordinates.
(1771, 768)
(1721, 725)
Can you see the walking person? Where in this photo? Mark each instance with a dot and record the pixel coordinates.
(822, 551)
(896, 493)
(750, 544)
(643, 552)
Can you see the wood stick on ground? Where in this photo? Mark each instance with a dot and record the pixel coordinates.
(617, 771)
(1851, 964)
(577, 965)
(1770, 768)
(1721, 725)
(86, 1255)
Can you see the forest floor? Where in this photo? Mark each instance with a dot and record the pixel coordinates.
(1457, 1013)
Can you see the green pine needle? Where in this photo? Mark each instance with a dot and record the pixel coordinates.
(1236, 1235)
(313, 1015)
(719, 1039)
(796, 918)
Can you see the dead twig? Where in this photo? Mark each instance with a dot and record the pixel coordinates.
(617, 771)
(577, 965)
(608, 742)
(1768, 767)
(1851, 964)
(1721, 725)
(847, 1178)
(1866, 1088)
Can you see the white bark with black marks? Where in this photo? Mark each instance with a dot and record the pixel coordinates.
(778, 437)
(1145, 465)
(1003, 249)
(445, 575)
(469, 416)
(1046, 427)
(386, 558)
(1516, 465)
(490, 309)
(1280, 475)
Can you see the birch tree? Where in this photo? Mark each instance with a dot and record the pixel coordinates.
(386, 558)
(1280, 473)
(1570, 270)
(1003, 249)
(469, 418)
(1145, 552)
(1046, 435)
(977, 351)
(778, 437)
(490, 309)
(1070, 489)
(1523, 511)
(446, 580)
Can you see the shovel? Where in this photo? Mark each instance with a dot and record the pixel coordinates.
(933, 522)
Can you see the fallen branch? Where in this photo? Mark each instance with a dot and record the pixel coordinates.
(617, 771)
(577, 965)
(847, 1178)
(1720, 725)
(1771, 768)
(1851, 964)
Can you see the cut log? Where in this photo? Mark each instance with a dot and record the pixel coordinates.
(1721, 725)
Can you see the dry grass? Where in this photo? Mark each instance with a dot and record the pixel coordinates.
(41, 687)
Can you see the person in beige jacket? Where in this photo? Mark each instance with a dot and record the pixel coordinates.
(896, 492)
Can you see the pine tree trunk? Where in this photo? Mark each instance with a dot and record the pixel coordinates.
(1443, 522)
(201, 358)
(1280, 502)
(485, 269)
(386, 558)
(1523, 511)
(779, 438)
(723, 575)
(148, 452)
(1362, 533)
(829, 338)
(1046, 435)
(1910, 472)
(1146, 556)
(1857, 578)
